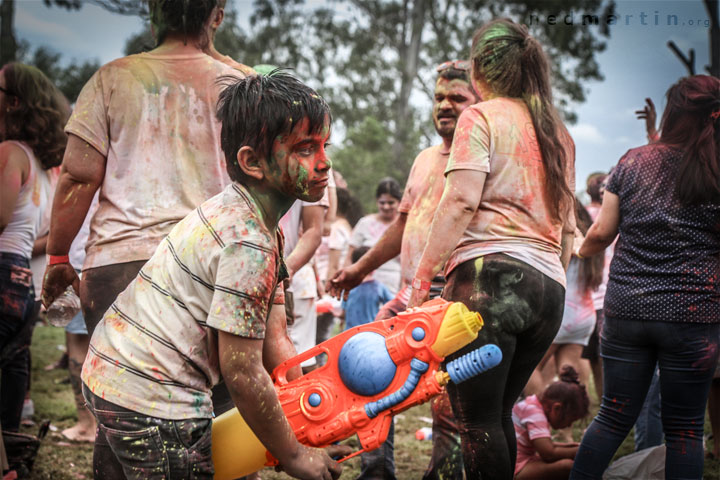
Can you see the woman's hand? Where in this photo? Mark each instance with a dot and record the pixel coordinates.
(418, 297)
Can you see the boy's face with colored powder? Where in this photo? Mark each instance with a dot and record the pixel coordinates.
(299, 165)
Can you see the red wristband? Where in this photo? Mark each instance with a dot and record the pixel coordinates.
(423, 285)
(58, 259)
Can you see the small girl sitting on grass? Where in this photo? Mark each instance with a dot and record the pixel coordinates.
(560, 405)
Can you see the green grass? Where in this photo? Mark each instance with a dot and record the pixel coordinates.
(59, 460)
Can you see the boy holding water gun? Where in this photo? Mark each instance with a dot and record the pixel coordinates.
(207, 303)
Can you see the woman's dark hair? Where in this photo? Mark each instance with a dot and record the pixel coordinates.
(691, 120)
(348, 206)
(591, 268)
(569, 392)
(40, 114)
(513, 64)
(256, 110)
(390, 186)
(186, 17)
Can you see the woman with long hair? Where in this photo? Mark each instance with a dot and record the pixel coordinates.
(662, 303)
(503, 230)
(32, 115)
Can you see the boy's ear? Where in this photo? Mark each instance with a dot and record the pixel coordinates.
(216, 17)
(250, 163)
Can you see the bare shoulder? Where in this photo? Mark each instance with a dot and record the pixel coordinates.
(11, 154)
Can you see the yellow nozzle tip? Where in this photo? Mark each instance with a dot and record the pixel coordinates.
(474, 321)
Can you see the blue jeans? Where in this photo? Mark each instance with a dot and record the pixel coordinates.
(686, 354)
(17, 299)
(648, 428)
(133, 446)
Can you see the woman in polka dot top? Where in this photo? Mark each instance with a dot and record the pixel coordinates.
(663, 296)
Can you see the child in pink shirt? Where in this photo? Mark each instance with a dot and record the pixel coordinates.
(559, 406)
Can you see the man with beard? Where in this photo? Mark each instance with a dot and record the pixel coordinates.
(407, 236)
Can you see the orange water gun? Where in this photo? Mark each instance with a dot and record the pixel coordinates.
(373, 372)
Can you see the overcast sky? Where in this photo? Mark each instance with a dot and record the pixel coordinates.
(636, 64)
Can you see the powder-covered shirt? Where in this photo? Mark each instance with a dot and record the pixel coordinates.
(153, 117)
(666, 264)
(422, 195)
(366, 233)
(530, 424)
(155, 350)
(497, 137)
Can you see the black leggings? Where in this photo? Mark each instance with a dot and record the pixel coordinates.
(522, 310)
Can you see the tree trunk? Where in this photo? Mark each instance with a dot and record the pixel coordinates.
(714, 15)
(8, 45)
(409, 60)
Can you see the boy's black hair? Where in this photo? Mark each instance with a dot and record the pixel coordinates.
(358, 252)
(257, 109)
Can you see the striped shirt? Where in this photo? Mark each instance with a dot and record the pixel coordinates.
(153, 351)
(530, 423)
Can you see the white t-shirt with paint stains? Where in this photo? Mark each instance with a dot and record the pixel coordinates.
(153, 117)
(155, 350)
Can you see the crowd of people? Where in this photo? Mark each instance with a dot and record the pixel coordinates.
(189, 201)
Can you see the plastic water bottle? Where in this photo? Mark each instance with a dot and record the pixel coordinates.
(425, 433)
(64, 308)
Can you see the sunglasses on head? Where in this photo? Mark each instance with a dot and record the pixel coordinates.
(463, 65)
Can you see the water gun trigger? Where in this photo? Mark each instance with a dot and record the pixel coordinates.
(374, 434)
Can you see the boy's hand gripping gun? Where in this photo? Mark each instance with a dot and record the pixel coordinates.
(373, 372)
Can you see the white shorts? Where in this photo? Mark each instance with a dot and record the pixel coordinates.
(575, 329)
(304, 330)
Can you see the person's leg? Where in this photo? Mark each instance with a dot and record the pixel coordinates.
(379, 464)
(687, 358)
(648, 427)
(714, 414)
(538, 380)
(16, 306)
(99, 287)
(629, 358)
(446, 459)
(539, 470)
(149, 447)
(13, 385)
(77, 347)
(511, 297)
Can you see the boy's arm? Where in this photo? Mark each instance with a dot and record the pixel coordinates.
(252, 390)
(277, 346)
(551, 452)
